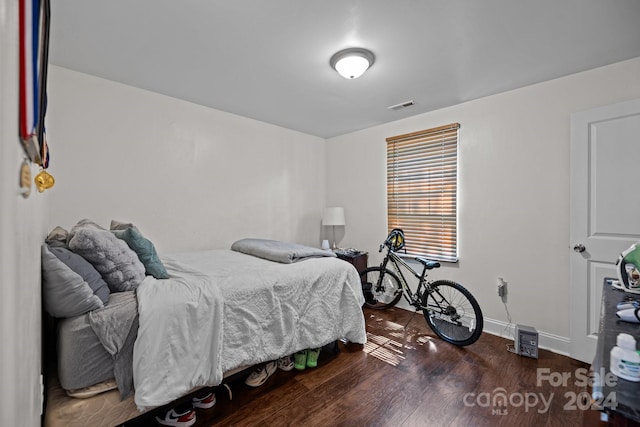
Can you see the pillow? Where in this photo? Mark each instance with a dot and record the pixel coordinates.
(145, 250)
(116, 262)
(57, 237)
(82, 224)
(66, 293)
(83, 268)
(117, 225)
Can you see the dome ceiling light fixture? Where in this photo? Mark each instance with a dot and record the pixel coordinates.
(351, 63)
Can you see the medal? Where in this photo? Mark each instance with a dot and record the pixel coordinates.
(44, 180)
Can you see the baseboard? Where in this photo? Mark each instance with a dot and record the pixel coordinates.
(547, 341)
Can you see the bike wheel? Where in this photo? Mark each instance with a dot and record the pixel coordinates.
(452, 312)
(385, 289)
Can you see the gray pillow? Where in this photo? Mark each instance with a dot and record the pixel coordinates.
(57, 237)
(82, 224)
(118, 265)
(82, 267)
(66, 294)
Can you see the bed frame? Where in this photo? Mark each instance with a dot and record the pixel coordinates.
(106, 409)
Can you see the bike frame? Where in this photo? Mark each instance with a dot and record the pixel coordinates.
(440, 300)
(414, 299)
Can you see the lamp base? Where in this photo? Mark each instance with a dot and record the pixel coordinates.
(334, 246)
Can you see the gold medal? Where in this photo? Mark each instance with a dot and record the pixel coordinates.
(44, 180)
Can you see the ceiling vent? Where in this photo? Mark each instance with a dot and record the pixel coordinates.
(402, 105)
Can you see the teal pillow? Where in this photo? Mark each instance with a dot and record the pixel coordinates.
(145, 251)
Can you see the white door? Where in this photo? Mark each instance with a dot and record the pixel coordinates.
(605, 210)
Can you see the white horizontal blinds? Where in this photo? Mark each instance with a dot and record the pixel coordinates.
(422, 170)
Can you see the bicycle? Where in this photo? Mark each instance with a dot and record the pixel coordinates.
(448, 307)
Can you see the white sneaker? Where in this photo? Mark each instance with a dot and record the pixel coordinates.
(205, 400)
(178, 417)
(260, 375)
(285, 363)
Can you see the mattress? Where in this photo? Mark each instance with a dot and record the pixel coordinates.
(82, 359)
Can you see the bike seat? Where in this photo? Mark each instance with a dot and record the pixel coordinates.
(429, 264)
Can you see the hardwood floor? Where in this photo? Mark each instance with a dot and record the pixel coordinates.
(406, 376)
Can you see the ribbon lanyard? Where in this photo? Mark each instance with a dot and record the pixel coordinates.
(34, 26)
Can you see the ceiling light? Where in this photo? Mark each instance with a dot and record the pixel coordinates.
(353, 62)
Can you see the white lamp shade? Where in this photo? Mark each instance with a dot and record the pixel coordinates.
(352, 67)
(351, 63)
(333, 216)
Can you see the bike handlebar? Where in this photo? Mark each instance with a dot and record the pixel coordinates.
(387, 243)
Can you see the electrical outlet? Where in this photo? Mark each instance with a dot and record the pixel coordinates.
(502, 288)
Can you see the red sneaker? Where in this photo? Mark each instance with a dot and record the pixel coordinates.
(205, 401)
(178, 418)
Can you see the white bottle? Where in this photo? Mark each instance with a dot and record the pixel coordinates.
(625, 360)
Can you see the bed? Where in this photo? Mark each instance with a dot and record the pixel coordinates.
(216, 312)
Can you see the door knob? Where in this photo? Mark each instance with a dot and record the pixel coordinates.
(579, 248)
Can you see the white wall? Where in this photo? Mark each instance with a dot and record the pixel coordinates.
(190, 177)
(21, 233)
(513, 191)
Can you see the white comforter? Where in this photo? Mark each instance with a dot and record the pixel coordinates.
(238, 310)
(179, 335)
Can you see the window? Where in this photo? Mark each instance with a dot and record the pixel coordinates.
(422, 175)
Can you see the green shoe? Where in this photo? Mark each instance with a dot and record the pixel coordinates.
(300, 360)
(312, 357)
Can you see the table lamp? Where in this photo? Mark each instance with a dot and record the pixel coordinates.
(333, 216)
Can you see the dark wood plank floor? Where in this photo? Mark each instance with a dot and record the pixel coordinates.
(406, 376)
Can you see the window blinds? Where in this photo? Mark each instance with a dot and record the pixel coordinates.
(422, 169)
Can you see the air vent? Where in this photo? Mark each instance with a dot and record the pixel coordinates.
(402, 105)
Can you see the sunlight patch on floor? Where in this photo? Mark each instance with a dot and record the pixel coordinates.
(385, 349)
(410, 337)
(430, 343)
(386, 324)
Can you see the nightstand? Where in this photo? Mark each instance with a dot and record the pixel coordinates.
(358, 260)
